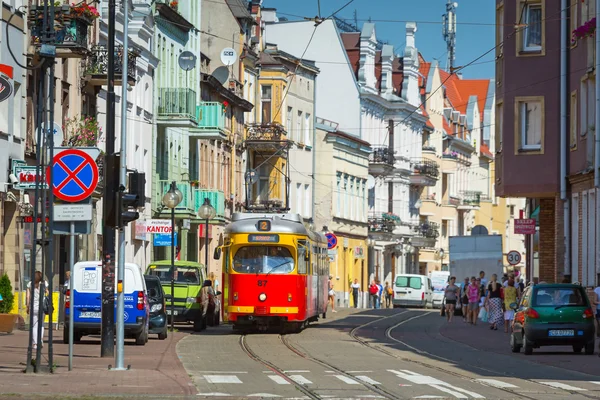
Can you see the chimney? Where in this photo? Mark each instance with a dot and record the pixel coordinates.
(387, 58)
(368, 48)
(410, 83)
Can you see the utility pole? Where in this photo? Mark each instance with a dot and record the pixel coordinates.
(109, 213)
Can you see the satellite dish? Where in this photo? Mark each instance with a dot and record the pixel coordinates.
(221, 74)
(228, 56)
(370, 182)
(251, 176)
(479, 230)
(187, 61)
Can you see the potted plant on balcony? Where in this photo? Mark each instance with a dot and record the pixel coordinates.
(195, 184)
(82, 132)
(174, 4)
(588, 29)
(7, 320)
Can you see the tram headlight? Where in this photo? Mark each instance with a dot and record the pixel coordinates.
(289, 297)
(235, 296)
(262, 297)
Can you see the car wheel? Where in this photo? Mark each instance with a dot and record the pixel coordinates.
(589, 347)
(140, 338)
(577, 348)
(217, 319)
(514, 346)
(527, 346)
(65, 335)
(198, 324)
(77, 336)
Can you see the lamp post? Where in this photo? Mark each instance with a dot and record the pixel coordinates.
(171, 199)
(206, 212)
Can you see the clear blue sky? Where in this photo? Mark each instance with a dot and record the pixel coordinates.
(475, 32)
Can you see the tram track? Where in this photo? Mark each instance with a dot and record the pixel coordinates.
(388, 334)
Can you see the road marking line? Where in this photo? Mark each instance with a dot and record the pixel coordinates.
(563, 386)
(214, 394)
(446, 390)
(278, 379)
(222, 379)
(300, 379)
(366, 379)
(358, 372)
(223, 372)
(263, 395)
(472, 394)
(347, 380)
(418, 379)
(409, 372)
(596, 382)
(296, 371)
(496, 383)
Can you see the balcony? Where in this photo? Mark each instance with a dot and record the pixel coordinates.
(451, 201)
(383, 223)
(266, 137)
(381, 161)
(70, 35)
(96, 66)
(428, 149)
(427, 233)
(424, 172)
(470, 200)
(177, 107)
(193, 198)
(449, 163)
(211, 121)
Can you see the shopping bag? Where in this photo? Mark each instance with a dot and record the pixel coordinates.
(483, 315)
(443, 310)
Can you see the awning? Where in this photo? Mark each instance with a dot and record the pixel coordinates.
(536, 213)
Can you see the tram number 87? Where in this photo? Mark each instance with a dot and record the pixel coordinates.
(262, 283)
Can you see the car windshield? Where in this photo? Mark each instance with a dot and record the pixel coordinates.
(413, 282)
(153, 287)
(184, 274)
(564, 297)
(263, 260)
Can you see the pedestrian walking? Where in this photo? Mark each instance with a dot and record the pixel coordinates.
(379, 293)
(510, 296)
(331, 294)
(464, 299)
(474, 298)
(36, 305)
(450, 296)
(389, 295)
(494, 302)
(373, 293)
(355, 288)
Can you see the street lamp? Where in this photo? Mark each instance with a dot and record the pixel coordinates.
(206, 212)
(171, 199)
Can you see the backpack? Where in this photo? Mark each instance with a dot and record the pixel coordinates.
(373, 289)
(390, 291)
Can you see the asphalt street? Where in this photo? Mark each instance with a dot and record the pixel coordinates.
(387, 354)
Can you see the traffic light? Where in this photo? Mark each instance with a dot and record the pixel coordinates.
(111, 181)
(127, 202)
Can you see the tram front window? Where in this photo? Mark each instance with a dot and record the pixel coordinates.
(263, 260)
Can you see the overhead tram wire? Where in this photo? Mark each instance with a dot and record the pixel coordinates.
(465, 66)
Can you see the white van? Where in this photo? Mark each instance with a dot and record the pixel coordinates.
(86, 300)
(413, 291)
(439, 281)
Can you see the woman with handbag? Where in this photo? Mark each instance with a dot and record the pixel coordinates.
(450, 296)
(36, 305)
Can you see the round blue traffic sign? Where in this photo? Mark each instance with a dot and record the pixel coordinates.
(74, 175)
(331, 241)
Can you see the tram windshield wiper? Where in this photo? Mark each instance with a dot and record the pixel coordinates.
(277, 266)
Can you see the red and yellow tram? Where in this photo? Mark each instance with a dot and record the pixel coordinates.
(275, 272)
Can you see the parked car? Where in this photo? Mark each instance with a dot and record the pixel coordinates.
(553, 315)
(189, 277)
(413, 290)
(86, 302)
(156, 300)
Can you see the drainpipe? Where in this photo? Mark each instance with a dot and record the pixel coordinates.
(314, 151)
(563, 137)
(597, 137)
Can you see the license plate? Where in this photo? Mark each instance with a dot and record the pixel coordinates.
(400, 294)
(89, 314)
(561, 332)
(174, 312)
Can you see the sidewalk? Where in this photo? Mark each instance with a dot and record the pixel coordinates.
(482, 338)
(155, 370)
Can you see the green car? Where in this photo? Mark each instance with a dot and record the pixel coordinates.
(189, 277)
(553, 315)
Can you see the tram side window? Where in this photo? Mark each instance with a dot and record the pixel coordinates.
(226, 259)
(302, 263)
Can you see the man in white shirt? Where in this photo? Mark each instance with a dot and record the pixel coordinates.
(355, 289)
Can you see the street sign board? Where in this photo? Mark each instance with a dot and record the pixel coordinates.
(27, 177)
(139, 233)
(524, 226)
(6, 86)
(331, 241)
(72, 212)
(162, 239)
(75, 175)
(513, 257)
(158, 226)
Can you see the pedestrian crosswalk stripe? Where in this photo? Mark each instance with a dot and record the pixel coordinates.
(347, 380)
(300, 379)
(563, 386)
(366, 379)
(278, 379)
(496, 383)
(222, 379)
(441, 388)
(472, 394)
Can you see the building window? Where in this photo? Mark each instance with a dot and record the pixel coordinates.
(573, 22)
(500, 29)
(573, 119)
(307, 201)
(307, 129)
(299, 132)
(532, 33)
(529, 122)
(338, 194)
(498, 127)
(265, 99)
(299, 198)
(288, 125)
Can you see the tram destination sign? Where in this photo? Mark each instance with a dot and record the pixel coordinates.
(252, 238)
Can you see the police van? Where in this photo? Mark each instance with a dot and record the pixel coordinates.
(86, 302)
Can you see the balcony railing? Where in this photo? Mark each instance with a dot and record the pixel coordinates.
(428, 230)
(470, 198)
(271, 132)
(384, 223)
(426, 168)
(382, 155)
(428, 148)
(177, 103)
(193, 198)
(211, 121)
(70, 35)
(96, 65)
(451, 201)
